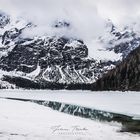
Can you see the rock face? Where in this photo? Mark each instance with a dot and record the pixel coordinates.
(50, 57)
(46, 60)
(56, 62)
(4, 19)
(126, 76)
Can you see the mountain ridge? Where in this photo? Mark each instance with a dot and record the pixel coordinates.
(56, 60)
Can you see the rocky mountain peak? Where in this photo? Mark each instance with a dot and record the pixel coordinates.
(45, 60)
(4, 19)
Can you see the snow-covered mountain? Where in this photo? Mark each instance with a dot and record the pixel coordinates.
(57, 59)
(121, 40)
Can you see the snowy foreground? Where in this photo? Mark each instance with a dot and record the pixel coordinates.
(29, 121)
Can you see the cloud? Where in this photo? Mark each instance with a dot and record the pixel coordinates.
(119, 11)
(87, 17)
(82, 15)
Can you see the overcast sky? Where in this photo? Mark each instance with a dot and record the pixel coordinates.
(117, 10)
(85, 15)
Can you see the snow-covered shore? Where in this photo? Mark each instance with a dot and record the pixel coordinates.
(25, 120)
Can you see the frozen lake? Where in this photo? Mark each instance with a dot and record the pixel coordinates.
(27, 120)
(127, 103)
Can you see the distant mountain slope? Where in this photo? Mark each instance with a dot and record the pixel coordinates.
(121, 41)
(126, 76)
(46, 59)
(57, 61)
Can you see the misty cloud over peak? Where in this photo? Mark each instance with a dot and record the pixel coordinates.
(82, 16)
(87, 14)
(82, 19)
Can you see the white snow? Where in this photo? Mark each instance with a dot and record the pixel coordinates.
(99, 51)
(28, 121)
(34, 73)
(120, 102)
